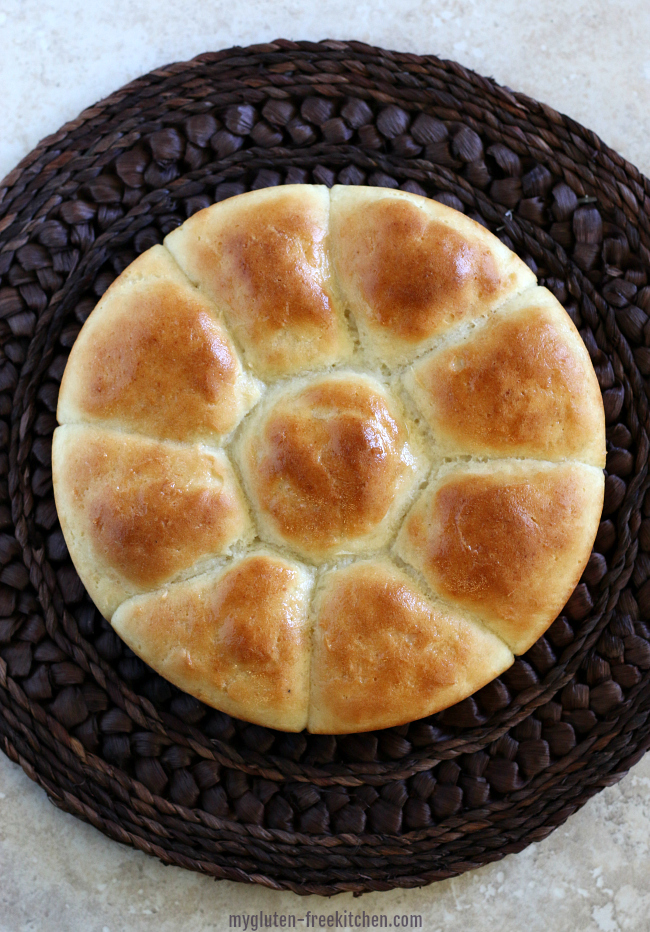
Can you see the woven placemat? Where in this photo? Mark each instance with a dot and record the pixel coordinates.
(116, 745)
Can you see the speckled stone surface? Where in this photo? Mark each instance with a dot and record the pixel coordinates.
(590, 60)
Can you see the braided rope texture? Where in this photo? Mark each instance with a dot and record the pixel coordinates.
(116, 745)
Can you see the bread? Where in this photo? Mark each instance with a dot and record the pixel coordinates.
(379, 642)
(410, 269)
(329, 460)
(155, 359)
(506, 540)
(237, 638)
(264, 261)
(329, 464)
(520, 384)
(137, 513)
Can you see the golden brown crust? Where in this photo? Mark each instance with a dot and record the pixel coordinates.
(410, 268)
(262, 258)
(238, 639)
(137, 512)
(331, 461)
(153, 358)
(508, 541)
(385, 655)
(522, 385)
(328, 464)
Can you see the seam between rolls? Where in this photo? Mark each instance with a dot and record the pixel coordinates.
(102, 425)
(452, 462)
(519, 293)
(174, 581)
(435, 598)
(339, 296)
(220, 565)
(218, 314)
(459, 331)
(312, 622)
(197, 569)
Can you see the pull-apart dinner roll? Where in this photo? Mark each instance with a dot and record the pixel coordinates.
(329, 459)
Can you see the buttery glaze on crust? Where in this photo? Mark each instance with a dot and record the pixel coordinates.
(410, 268)
(334, 458)
(237, 639)
(521, 385)
(263, 259)
(383, 653)
(152, 358)
(507, 541)
(136, 512)
(327, 465)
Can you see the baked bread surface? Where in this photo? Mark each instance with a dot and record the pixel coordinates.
(137, 513)
(238, 637)
(379, 642)
(329, 459)
(154, 358)
(329, 466)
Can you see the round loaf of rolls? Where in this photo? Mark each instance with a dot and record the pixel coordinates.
(328, 459)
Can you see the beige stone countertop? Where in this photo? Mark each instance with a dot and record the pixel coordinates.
(588, 59)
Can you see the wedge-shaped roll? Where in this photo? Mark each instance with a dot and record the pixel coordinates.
(506, 540)
(385, 655)
(136, 513)
(237, 638)
(520, 385)
(409, 268)
(153, 358)
(262, 258)
(329, 465)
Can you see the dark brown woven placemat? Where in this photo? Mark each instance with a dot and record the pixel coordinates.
(116, 745)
